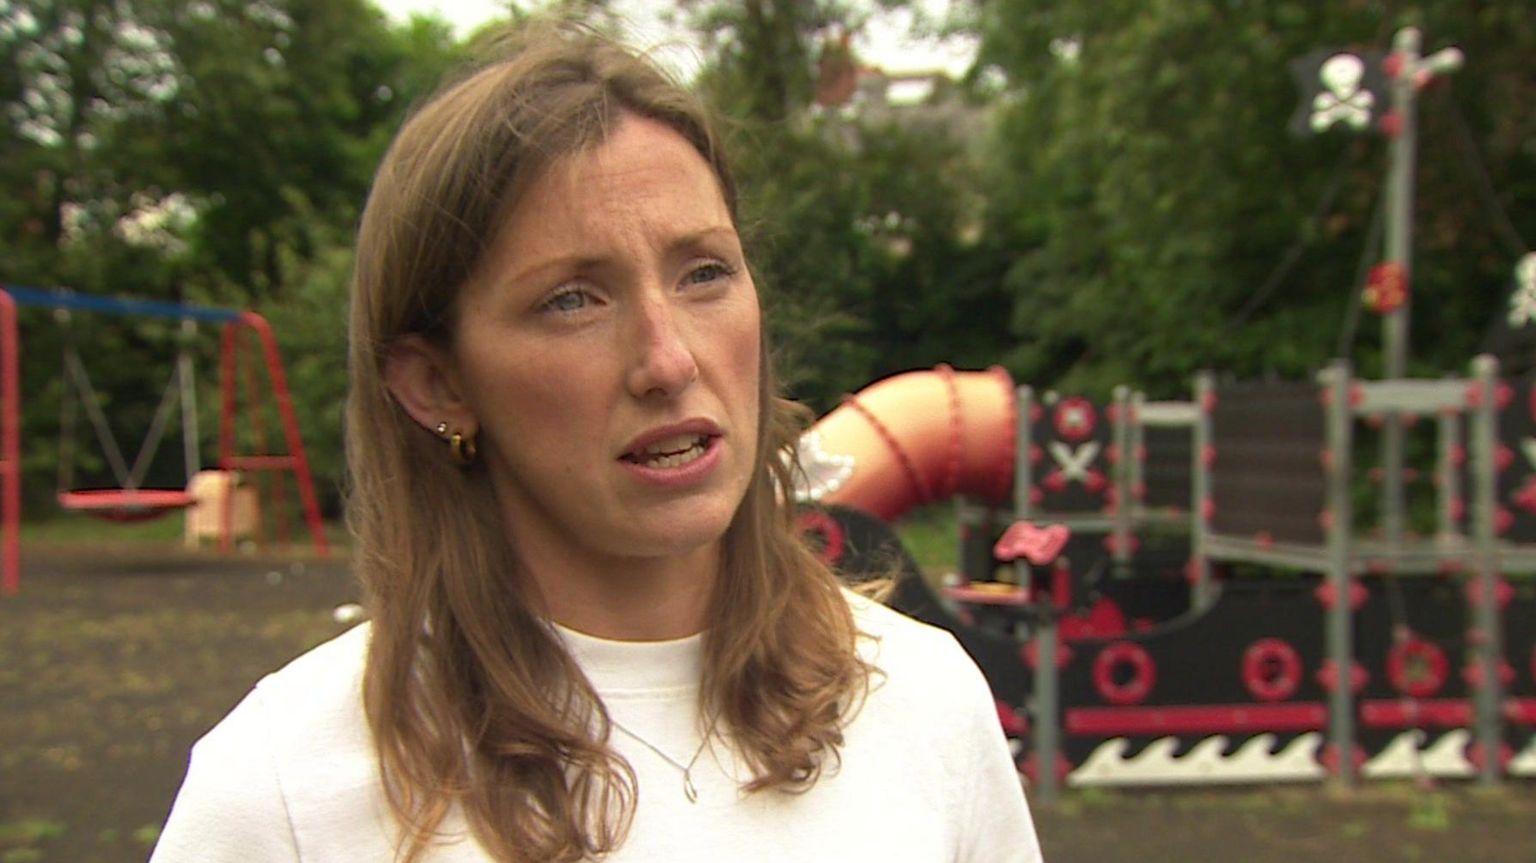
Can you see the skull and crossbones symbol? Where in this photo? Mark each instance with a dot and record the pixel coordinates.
(1344, 101)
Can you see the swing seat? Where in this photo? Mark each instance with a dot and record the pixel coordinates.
(121, 504)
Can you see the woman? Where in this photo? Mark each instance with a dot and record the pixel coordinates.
(592, 629)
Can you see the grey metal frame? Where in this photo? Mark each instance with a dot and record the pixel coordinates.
(1342, 556)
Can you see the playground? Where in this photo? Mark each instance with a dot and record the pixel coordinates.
(122, 645)
(117, 655)
(1280, 608)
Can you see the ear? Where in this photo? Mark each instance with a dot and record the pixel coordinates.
(424, 379)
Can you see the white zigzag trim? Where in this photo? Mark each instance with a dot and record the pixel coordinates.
(1254, 761)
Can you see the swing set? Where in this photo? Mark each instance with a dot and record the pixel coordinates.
(130, 498)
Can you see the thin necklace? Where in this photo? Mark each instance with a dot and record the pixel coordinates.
(689, 790)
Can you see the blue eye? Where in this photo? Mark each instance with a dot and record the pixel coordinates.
(709, 272)
(567, 301)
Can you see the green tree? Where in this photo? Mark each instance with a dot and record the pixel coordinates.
(1144, 175)
(861, 227)
(1138, 139)
(214, 152)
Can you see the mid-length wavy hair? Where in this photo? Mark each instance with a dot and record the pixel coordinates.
(471, 701)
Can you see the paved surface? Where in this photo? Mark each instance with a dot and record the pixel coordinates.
(113, 660)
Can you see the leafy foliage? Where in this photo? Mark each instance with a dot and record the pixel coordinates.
(207, 151)
(1145, 177)
(1128, 205)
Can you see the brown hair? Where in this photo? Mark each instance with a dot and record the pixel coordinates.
(471, 701)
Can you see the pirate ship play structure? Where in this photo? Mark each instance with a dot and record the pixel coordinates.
(1225, 610)
(1121, 663)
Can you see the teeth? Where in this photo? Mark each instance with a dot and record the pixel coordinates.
(678, 459)
(675, 444)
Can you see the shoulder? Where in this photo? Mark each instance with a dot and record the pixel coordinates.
(317, 734)
(890, 637)
(316, 694)
(916, 662)
(317, 697)
(296, 745)
(930, 709)
(324, 680)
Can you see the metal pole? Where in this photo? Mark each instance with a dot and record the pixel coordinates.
(188, 381)
(1045, 734)
(1122, 480)
(1448, 477)
(1410, 71)
(1200, 488)
(1340, 621)
(1399, 251)
(1488, 647)
(1405, 45)
(1023, 470)
(10, 449)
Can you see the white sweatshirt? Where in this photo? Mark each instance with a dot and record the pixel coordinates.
(924, 774)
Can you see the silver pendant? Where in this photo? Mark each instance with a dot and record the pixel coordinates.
(689, 791)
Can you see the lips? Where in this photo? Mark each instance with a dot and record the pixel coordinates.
(673, 452)
(672, 446)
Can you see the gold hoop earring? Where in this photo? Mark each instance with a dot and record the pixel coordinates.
(462, 449)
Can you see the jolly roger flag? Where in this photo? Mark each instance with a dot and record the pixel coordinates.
(1339, 88)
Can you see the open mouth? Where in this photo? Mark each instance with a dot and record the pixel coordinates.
(671, 452)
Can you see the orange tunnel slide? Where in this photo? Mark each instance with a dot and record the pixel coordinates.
(912, 439)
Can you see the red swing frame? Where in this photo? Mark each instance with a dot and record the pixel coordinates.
(233, 369)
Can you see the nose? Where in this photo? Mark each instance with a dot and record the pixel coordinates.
(664, 364)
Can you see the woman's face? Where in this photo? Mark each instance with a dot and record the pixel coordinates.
(608, 351)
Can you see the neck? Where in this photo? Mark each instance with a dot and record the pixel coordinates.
(628, 599)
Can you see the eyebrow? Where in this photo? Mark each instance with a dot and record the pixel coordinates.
(589, 262)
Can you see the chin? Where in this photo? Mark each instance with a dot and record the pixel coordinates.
(672, 537)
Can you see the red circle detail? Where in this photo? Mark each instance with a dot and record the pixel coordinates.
(1137, 660)
(1030, 650)
(833, 543)
(1417, 668)
(1271, 669)
(1094, 482)
(1476, 750)
(1503, 520)
(1075, 419)
(1330, 758)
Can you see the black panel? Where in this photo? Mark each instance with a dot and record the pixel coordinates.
(1167, 466)
(1268, 476)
